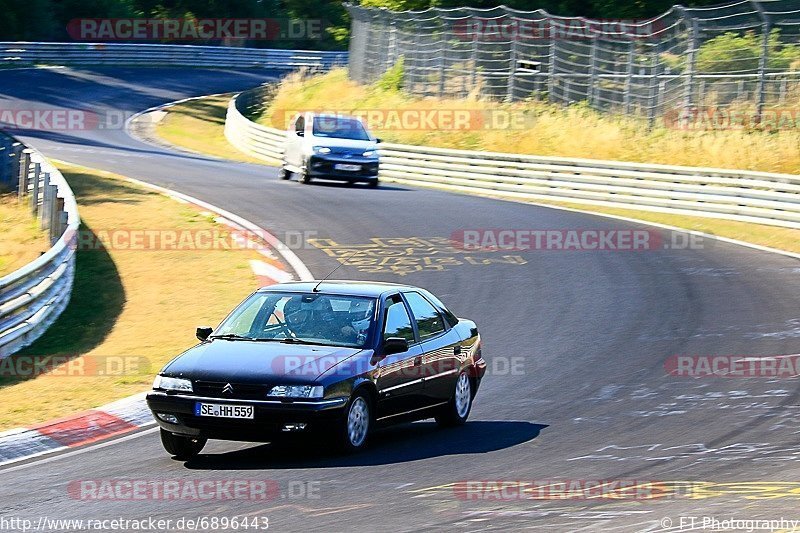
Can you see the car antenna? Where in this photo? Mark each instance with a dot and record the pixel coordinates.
(345, 260)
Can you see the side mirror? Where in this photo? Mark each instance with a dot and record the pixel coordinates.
(377, 140)
(203, 333)
(300, 133)
(395, 345)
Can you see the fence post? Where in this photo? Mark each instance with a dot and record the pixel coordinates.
(626, 95)
(763, 60)
(551, 79)
(591, 90)
(512, 68)
(442, 60)
(474, 74)
(694, 43)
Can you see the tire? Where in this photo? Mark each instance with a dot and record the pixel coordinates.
(373, 184)
(180, 447)
(304, 177)
(354, 427)
(285, 174)
(457, 410)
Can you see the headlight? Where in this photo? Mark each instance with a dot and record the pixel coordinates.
(296, 391)
(322, 149)
(368, 153)
(178, 384)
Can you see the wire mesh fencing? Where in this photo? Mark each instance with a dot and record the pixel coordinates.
(734, 62)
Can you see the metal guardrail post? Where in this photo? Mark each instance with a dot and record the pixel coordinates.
(35, 177)
(43, 214)
(23, 173)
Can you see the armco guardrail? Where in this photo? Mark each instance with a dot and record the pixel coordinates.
(35, 53)
(32, 297)
(759, 197)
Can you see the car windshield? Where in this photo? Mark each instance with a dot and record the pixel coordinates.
(340, 128)
(326, 319)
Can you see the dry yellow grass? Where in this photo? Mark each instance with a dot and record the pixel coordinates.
(21, 240)
(199, 126)
(552, 130)
(125, 302)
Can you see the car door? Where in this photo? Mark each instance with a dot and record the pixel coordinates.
(399, 376)
(294, 140)
(442, 356)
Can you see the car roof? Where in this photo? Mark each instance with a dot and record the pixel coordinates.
(373, 289)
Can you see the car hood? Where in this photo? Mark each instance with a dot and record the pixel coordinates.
(256, 362)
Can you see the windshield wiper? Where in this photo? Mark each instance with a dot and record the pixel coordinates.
(295, 340)
(232, 337)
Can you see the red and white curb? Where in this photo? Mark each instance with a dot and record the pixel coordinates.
(131, 413)
(111, 420)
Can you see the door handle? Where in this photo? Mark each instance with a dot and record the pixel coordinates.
(457, 350)
(418, 360)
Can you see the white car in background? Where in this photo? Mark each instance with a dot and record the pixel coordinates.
(331, 147)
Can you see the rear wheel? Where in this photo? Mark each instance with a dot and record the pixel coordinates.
(180, 447)
(373, 183)
(457, 410)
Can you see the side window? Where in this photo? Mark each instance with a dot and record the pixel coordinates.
(398, 323)
(429, 321)
(300, 125)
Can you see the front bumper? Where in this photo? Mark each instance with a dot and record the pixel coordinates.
(270, 417)
(324, 167)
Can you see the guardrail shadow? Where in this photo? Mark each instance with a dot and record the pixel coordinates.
(397, 444)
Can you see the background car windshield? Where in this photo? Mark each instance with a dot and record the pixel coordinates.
(322, 318)
(340, 128)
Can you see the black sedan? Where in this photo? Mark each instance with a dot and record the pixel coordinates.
(331, 358)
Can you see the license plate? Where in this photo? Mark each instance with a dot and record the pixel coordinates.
(351, 168)
(223, 410)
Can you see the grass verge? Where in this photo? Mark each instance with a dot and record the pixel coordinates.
(21, 240)
(137, 306)
(198, 125)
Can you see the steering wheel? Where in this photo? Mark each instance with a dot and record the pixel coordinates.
(283, 326)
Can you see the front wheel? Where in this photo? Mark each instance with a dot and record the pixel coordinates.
(285, 174)
(304, 177)
(355, 427)
(180, 447)
(457, 410)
